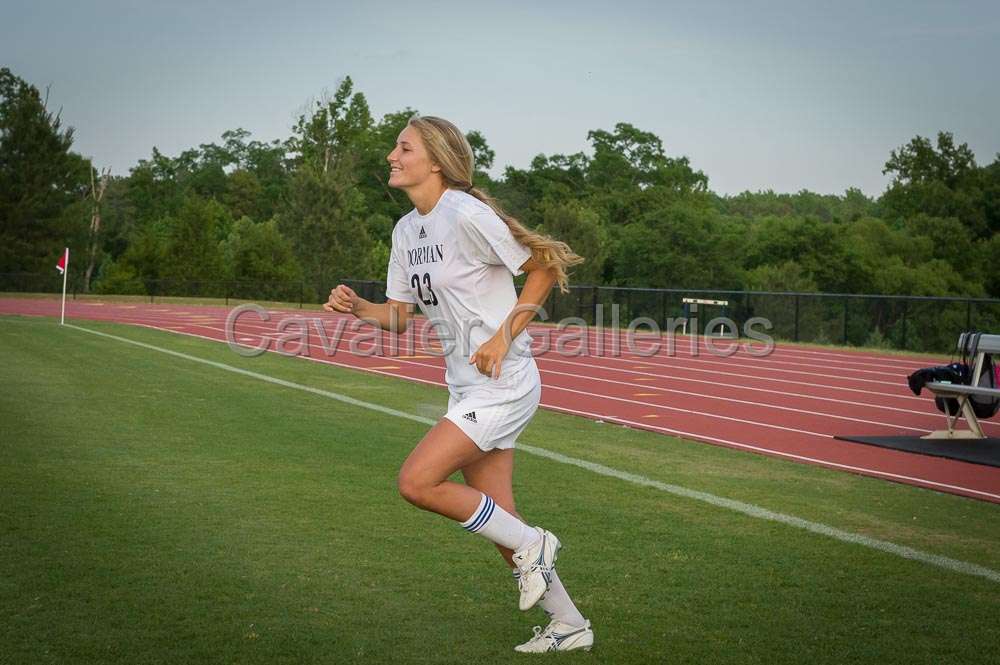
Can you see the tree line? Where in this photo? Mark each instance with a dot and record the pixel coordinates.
(315, 207)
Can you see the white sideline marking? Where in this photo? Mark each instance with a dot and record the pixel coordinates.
(923, 482)
(690, 436)
(748, 509)
(765, 514)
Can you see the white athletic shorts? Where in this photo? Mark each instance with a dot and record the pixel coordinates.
(494, 414)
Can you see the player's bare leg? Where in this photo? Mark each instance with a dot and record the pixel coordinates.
(423, 481)
(493, 475)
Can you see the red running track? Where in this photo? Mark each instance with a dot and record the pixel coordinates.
(789, 404)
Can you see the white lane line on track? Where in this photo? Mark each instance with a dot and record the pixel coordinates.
(705, 358)
(691, 412)
(769, 362)
(749, 509)
(782, 354)
(763, 405)
(269, 334)
(685, 363)
(803, 411)
(677, 361)
(652, 405)
(783, 350)
(613, 418)
(542, 360)
(783, 393)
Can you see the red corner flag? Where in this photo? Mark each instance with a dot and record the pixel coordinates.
(61, 267)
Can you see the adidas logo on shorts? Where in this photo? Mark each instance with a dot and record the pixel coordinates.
(471, 416)
(423, 234)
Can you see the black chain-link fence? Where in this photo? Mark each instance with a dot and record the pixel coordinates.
(915, 323)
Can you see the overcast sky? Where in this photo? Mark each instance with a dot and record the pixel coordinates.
(759, 95)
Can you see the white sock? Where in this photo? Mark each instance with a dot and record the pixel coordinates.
(557, 603)
(499, 526)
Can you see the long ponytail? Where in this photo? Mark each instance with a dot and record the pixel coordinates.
(449, 148)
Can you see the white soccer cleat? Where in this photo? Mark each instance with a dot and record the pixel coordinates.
(559, 636)
(535, 564)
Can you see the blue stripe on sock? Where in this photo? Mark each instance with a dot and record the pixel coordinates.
(482, 517)
(486, 517)
(474, 520)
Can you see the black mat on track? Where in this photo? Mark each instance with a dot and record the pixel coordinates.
(976, 451)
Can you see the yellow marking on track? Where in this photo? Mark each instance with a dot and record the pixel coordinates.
(644, 367)
(645, 378)
(651, 415)
(383, 367)
(644, 395)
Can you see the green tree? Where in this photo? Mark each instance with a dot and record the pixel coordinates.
(785, 276)
(824, 207)
(324, 140)
(920, 162)
(243, 194)
(482, 154)
(682, 246)
(155, 188)
(261, 260)
(821, 249)
(990, 179)
(371, 169)
(555, 178)
(118, 218)
(138, 268)
(192, 258)
(988, 251)
(940, 181)
(43, 185)
(581, 228)
(119, 278)
(947, 239)
(324, 219)
(629, 157)
(631, 175)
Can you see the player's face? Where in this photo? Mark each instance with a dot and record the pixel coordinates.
(409, 163)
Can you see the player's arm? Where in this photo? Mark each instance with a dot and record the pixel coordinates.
(537, 286)
(393, 315)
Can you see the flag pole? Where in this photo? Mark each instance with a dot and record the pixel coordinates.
(62, 315)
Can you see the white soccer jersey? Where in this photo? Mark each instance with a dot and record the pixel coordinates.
(457, 264)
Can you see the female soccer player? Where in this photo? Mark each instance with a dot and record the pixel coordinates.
(455, 256)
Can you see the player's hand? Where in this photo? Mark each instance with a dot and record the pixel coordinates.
(342, 299)
(490, 355)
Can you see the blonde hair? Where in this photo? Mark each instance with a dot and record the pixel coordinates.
(449, 149)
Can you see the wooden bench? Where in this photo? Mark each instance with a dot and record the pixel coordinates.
(988, 344)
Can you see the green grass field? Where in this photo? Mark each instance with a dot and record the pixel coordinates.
(158, 510)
